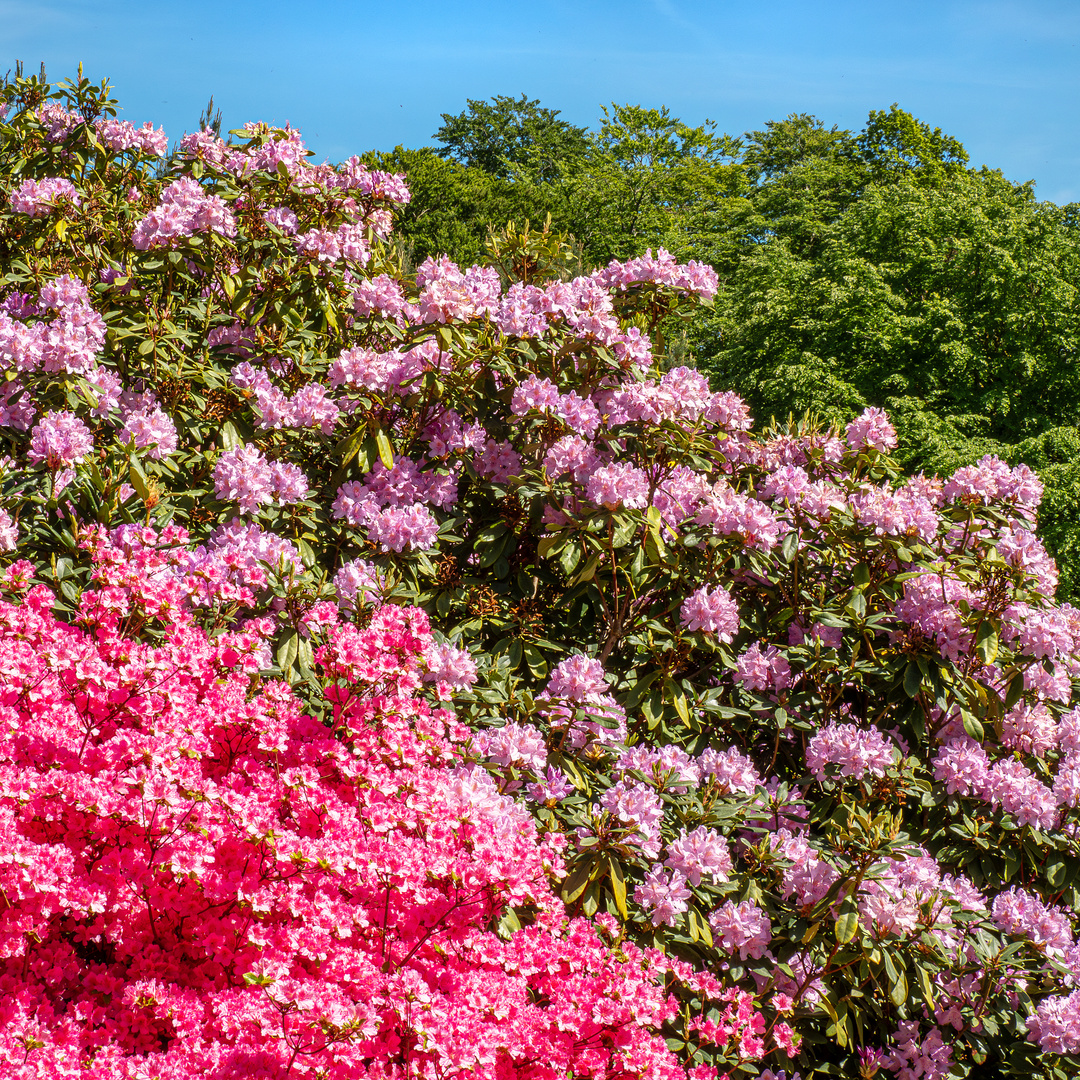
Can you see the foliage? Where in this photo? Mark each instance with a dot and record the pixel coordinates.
(799, 723)
(511, 136)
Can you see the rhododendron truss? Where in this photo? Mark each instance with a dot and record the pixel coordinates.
(799, 722)
(198, 879)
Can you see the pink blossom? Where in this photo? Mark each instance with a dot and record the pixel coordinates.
(713, 611)
(664, 895)
(619, 484)
(152, 430)
(763, 670)
(855, 751)
(872, 428)
(699, 852)
(37, 198)
(59, 439)
(743, 928)
(449, 668)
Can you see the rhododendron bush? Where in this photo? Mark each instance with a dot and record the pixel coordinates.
(796, 725)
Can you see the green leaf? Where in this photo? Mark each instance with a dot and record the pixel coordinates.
(618, 886)
(789, 546)
(139, 481)
(348, 448)
(846, 926)
(912, 680)
(987, 642)
(386, 451)
(579, 879)
(230, 437)
(287, 651)
(972, 725)
(546, 545)
(856, 605)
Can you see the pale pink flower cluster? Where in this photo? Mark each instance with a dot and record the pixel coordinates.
(682, 396)
(283, 219)
(58, 440)
(731, 771)
(356, 583)
(448, 295)
(377, 371)
(663, 895)
(828, 637)
(406, 483)
(394, 528)
(445, 433)
(763, 670)
(449, 668)
(853, 750)
(991, 480)
(70, 343)
(9, 532)
(713, 611)
(1031, 729)
(37, 198)
(346, 242)
(661, 269)
(120, 136)
(354, 175)
(270, 148)
(571, 454)
(677, 496)
(246, 476)
(900, 895)
(498, 461)
(896, 513)
(807, 877)
(931, 604)
(964, 766)
(542, 395)
(552, 788)
(637, 807)
(58, 121)
(309, 407)
(151, 429)
(1055, 1024)
(1021, 913)
(1020, 547)
(513, 745)
(619, 484)
(699, 853)
(919, 1056)
(185, 209)
(742, 928)
(669, 768)
(730, 513)
(579, 684)
(872, 428)
(383, 296)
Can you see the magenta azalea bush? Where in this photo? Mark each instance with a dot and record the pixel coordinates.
(200, 879)
(764, 760)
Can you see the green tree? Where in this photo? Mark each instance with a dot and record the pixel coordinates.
(507, 137)
(455, 206)
(648, 179)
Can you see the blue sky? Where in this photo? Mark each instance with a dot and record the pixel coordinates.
(1003, 77)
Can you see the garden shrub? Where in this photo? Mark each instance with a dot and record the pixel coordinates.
(801, 725)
